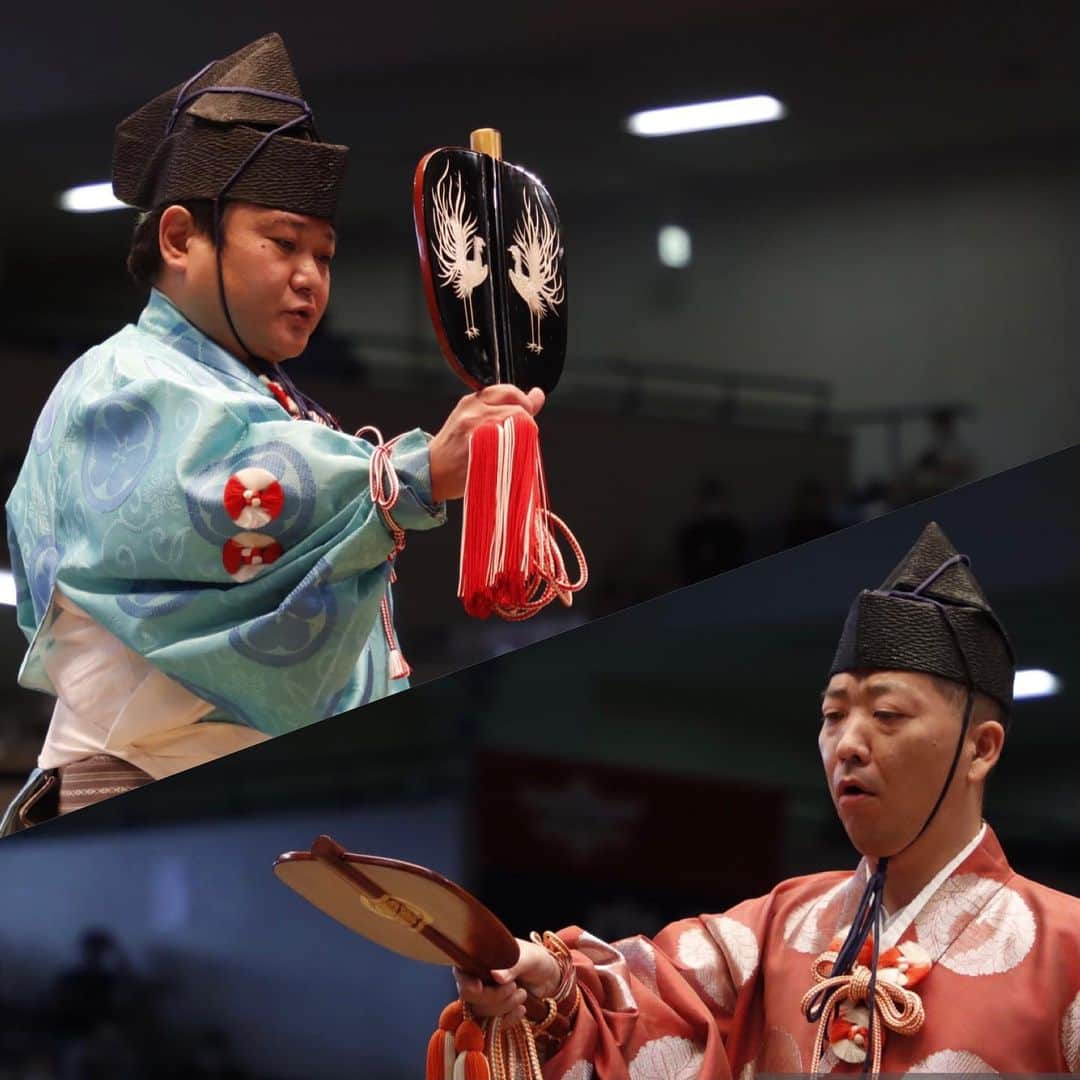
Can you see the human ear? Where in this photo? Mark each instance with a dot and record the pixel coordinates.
(175, 232)
(987, 739)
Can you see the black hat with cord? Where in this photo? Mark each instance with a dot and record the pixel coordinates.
(238, 129)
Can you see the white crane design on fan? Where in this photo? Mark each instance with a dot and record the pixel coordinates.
(458, 249)
(535, 274)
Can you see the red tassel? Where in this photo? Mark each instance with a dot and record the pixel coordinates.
(440, 1057)
(442, 1051)
(471, 1063)
(469, 1036)
(478, 524)
(510, 562)
(472, 1066)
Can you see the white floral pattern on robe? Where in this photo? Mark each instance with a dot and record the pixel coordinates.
(1003, 993)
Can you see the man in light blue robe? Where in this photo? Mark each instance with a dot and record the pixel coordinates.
(202, 557)
(121, 505)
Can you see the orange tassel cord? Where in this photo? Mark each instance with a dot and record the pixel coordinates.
(442, 1051)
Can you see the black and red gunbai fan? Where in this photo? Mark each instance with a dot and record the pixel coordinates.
(419, 914)
(494, 272)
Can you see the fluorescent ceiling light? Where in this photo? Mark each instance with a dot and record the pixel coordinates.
(7, 588)
(1034, 683)
(673, 246)
(707, 115)
(90, 199)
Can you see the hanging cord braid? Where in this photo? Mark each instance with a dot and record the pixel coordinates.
(385, 488)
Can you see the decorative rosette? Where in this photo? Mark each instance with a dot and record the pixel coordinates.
(849, 1029)
(253, 498)
(245, 555)
(851, 1025)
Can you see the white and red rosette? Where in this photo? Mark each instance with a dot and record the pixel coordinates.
(253, 497)
(904, 965)
(848, 1032)
(247, 554)
(901, 965)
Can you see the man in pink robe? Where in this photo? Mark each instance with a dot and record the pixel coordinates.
(977, 969)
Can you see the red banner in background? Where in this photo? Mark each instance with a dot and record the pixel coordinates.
(621, 828)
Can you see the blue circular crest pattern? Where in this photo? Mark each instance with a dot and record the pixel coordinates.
(122, 434)
(221, 704)
(346, 697)
(206, 507)
(43, 429)
(46, 421)
(41, 572)
(147, 603)
(297, 629)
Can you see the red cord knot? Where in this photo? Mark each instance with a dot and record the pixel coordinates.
(850, 1024)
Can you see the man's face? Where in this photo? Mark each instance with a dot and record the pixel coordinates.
(887, 740)
(276, 269)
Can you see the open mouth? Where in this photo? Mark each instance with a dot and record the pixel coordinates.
(850, 789)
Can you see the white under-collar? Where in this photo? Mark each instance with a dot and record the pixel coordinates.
(898, 922)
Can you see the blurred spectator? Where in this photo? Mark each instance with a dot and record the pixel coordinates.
(945, 463)
(811, 514)
(870, 501)
(97, 990)
(712, 540)
(105, 1054)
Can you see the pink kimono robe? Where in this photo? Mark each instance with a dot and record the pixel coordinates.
(720, 995)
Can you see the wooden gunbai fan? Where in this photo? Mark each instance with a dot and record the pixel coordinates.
(408, 909)
(419, 914)
(494, 271)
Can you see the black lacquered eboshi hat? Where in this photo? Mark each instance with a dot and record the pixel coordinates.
(930, 615)
(237, 129)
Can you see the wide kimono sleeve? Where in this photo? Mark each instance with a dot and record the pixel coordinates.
(663, 1008)
(236, 549)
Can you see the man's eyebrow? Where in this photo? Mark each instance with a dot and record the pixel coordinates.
(874, 689)
(283, 217)
(877, 689)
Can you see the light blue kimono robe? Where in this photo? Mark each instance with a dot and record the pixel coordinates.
(128, 504)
